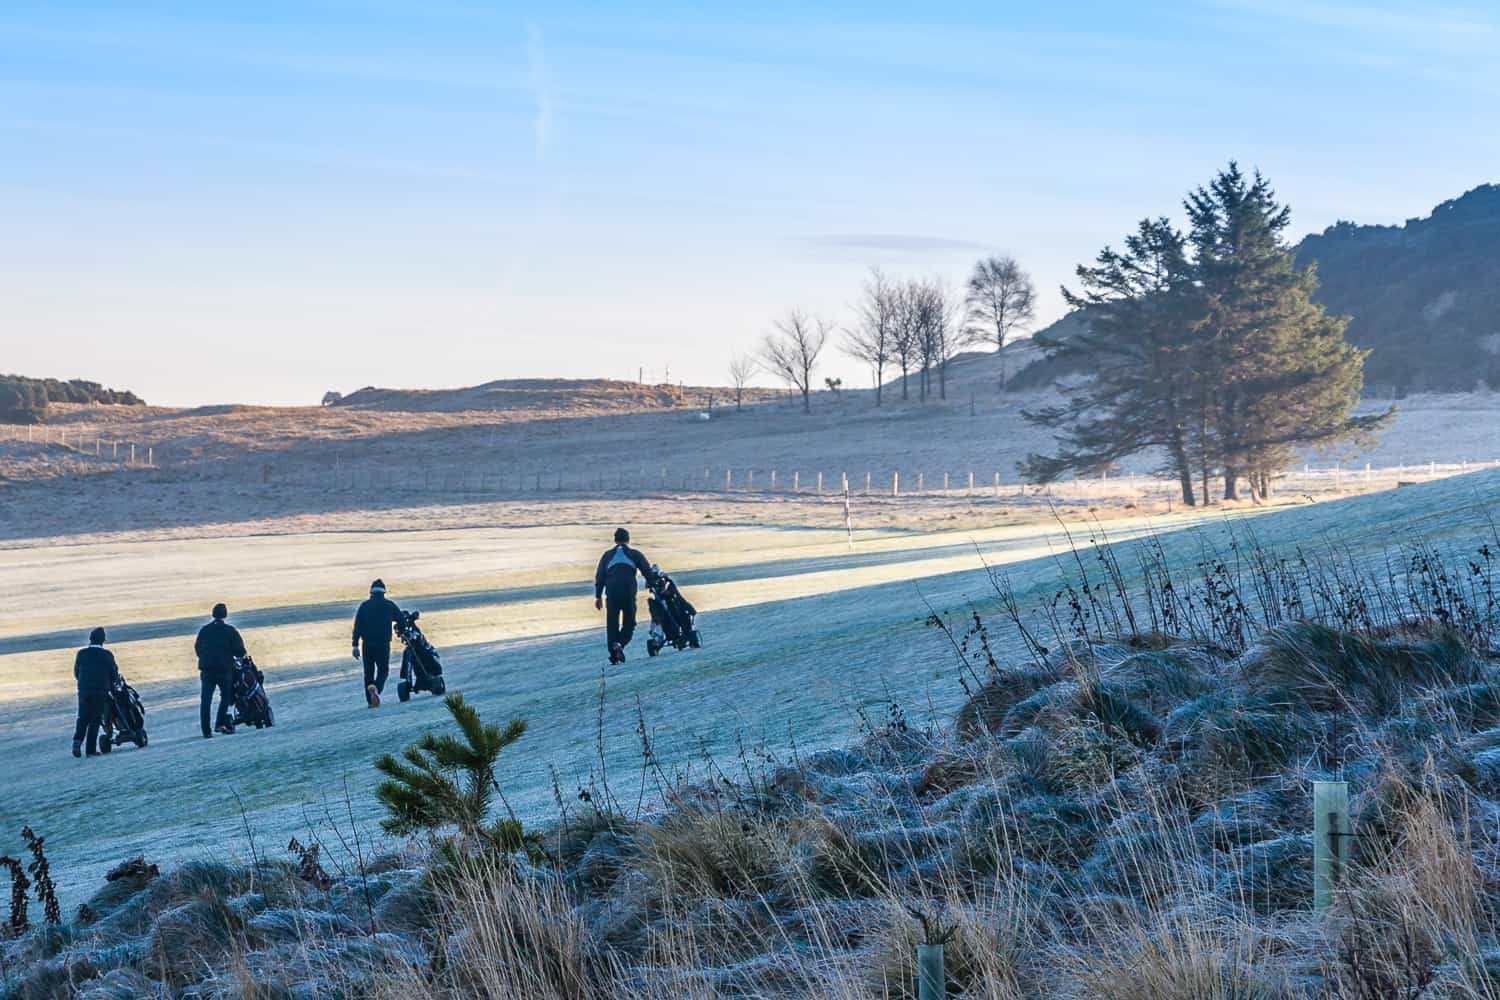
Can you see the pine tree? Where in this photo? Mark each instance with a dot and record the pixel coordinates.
(1139, 345)
(444, 781)
(1208, 347)
(1281, 371)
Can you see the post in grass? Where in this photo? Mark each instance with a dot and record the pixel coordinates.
(1331, 836)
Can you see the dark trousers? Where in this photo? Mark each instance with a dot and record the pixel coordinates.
(619, 615)
(224, 683)
(93, 709)
(377, 666)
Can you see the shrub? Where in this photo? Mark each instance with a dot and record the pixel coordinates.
(443, 781)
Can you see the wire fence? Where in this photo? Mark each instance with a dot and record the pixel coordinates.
(87, 451)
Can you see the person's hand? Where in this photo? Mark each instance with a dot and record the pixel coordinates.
(356, 652)
(598, 604)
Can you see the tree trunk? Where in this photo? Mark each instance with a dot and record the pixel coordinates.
(879, 383)
(1178, 453)
(1231, 483)
(807, 400)
(943, 378)
(904, 393)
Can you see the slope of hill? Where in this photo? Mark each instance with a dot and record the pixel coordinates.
(1423, 297)
(553, 395)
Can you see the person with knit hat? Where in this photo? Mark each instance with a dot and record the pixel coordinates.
(373, 624)
(615, 592)
(95, 670)
(217, 645)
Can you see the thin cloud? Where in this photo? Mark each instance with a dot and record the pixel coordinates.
(541, 88)
(897, 242)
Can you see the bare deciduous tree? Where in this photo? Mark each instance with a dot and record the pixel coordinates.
(873, 338)
(939, 334)
(791, 351)
(1001, 300)
(742, 367)
(907, 344)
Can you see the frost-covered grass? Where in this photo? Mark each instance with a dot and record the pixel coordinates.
(1120, 808)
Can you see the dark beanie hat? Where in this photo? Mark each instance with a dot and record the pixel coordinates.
(622, 536)
(377, 584)
(96, 637)
(220, 612)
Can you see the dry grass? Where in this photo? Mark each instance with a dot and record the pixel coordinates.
(1127, 822)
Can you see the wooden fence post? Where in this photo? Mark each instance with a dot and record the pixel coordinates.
(921, 482)
(997, 485)
(820, 484)
(132, 454)
(945, 484)
(869, 476)
(773, 480)
(796, 482)
(895, 484)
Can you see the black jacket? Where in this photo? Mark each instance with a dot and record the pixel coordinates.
(374, 621)
(618, 566)
(94, 667)
(217, 645)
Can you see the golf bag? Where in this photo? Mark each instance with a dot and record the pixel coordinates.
(126, 719)
(673, 618)
(249, 704)
(421, 665)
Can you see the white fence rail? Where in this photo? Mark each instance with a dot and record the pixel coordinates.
(89, 451)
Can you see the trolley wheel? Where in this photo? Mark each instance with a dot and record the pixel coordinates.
(403, 691)
(270, 717)
(438, 686)
(694, 640)
(106, 744)
(652, 647)
(140, 740)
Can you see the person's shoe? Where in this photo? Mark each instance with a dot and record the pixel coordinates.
(617, 653)
(77, 749)
(208, 736)
(224, 728)
(92, 753)
(372, 696)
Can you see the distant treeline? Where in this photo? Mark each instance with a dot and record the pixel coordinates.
(24, 400)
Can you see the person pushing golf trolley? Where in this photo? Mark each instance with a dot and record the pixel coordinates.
(421, 664)
(615, 590)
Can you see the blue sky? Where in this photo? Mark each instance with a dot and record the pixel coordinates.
(254, 202)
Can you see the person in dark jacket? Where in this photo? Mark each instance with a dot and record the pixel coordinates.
(95, 670)
(373, 624)
(615, 589)
(217, 646)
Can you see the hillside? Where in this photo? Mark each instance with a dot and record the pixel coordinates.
(575, 397)
(1423, 297)
(1123, 812)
